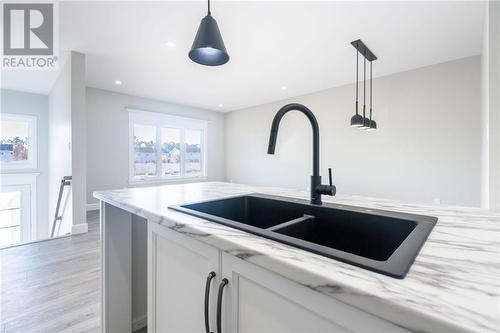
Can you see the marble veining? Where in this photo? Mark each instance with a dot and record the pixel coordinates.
(454, 284)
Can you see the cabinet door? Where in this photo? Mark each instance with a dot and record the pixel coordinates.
(177, 273)
(259, 301)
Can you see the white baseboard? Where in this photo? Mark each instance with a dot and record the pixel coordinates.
(139, 323)
(93, 206)
(79, 228)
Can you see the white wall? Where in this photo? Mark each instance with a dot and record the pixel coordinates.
(107, 137)
(428, 144)
(485, 114)
(67, 143)
(60, 144)
(490, 121)
(19, 102)
(494, 104)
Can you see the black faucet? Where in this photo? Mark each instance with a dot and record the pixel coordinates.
(316, 188)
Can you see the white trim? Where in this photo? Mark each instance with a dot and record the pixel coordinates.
(130, 149)
(168, 180)
(79, 228)
(139, 323)
(31, 163)
(162, 120)
(13, 179)
(92, 206)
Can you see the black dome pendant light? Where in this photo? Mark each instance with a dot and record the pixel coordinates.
(208, 47)
(357, 120)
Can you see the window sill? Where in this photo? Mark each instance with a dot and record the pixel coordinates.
(17, 166)
(179, 180)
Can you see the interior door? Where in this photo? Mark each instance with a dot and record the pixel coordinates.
(178, 271)
(15, 214)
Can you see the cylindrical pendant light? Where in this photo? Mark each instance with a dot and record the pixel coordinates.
(208, 47)
(362, 121)
(373, 123)
(357, 120)
(366, 121)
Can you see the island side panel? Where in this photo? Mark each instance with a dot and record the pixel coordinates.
(139, 272)
(116, 269)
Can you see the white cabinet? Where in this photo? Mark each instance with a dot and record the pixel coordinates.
(177, 272)
(254, 300)
(257, 300)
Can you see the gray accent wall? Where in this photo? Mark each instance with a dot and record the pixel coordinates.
(427, 147)
(79, 142)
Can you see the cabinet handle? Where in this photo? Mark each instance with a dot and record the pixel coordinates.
(223, 283)
(210, 276)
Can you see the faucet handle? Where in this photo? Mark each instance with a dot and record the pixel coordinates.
(327, 189)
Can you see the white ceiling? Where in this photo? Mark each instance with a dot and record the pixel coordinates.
(302, 45)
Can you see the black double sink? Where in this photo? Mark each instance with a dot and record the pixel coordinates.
(382, 241)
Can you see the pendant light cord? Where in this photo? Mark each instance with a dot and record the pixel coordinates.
(371, 89)
(209, 13)
(357, 76)
(364, 86)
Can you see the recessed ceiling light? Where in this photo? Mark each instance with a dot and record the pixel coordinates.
(170, 44)
(283, 88)
(220, 105)
(118, 82)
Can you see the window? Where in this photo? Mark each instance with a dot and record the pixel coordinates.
(165, 147)
(193, 152)
(17, 208)
(144, 150)
(10, 217)
(17, 141)
(170, 152)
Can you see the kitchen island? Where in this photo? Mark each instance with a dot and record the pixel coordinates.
(453, 284)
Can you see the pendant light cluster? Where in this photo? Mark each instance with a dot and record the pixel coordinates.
(208, 47)
(362, 121)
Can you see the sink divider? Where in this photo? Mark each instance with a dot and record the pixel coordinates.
(305, 218)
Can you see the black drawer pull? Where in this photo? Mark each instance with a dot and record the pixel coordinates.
(210, 276)
(223, 283)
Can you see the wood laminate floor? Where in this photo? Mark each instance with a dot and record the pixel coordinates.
(52, 286)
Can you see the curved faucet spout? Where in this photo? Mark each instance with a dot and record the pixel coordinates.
(316, 188)
(276, 123)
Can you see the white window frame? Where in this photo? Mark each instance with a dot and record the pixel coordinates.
(31, 162)
(163, 120)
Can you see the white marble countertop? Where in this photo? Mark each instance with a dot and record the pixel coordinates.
(454, 284)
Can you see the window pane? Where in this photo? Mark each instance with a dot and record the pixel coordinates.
(170, 152)
(13, 141)
(10, 217)
(9, 236)
(10, 209)
(144, 150)
(10, 199)
(193, 153)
